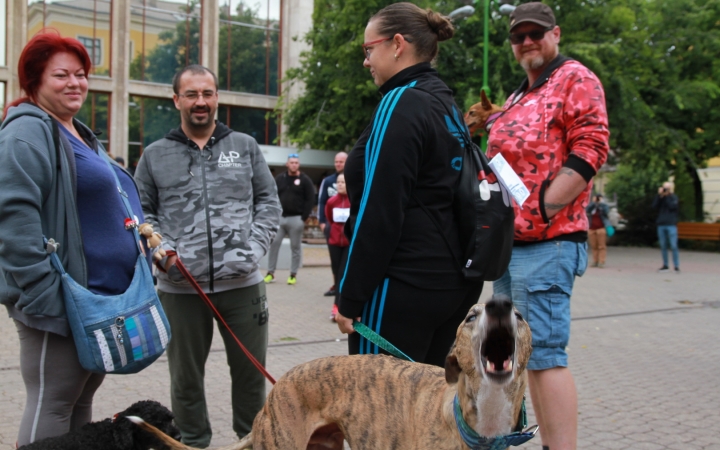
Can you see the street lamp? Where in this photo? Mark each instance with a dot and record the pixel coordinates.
(467, 11)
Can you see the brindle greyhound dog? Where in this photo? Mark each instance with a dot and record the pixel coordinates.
(481, 115)
(381, 402)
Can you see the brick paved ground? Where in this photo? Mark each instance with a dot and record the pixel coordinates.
(644, 352)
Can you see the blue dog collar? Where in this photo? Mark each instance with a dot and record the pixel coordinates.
(477, 442)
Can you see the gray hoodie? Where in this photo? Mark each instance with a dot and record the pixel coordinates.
(38, 180)
(217, 207)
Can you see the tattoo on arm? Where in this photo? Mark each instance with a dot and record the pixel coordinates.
(566, 171)
(557, 206)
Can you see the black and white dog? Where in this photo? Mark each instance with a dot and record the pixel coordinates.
(117, 433)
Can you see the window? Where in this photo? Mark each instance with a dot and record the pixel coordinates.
(94, 114)
(89, 19)
(258, 123)
(149, 119)
(248, 47)
(93, 47)
(165, 37)
(3, 32)
(2, 97)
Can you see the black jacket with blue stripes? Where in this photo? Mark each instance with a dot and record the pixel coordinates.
(410, 154)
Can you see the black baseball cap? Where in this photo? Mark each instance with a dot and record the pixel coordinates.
(534, 12)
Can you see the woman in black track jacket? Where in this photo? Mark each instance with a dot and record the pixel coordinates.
(401, 279)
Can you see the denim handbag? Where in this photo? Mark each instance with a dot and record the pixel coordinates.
(117, 334)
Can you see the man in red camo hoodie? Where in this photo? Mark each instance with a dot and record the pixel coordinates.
(554, 134)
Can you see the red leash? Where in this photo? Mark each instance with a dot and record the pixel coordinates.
(181, 267)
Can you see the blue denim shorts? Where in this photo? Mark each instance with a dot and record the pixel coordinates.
(540, 280)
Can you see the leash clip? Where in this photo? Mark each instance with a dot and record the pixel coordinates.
(51, 246)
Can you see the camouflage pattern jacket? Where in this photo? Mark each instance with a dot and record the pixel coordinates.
(561, 121)
(217, 207)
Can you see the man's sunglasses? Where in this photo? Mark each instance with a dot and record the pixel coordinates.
(535, 35)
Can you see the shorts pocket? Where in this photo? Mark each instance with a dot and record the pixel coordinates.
(549, 314)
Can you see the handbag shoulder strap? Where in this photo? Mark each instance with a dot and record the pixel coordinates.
(126, 202)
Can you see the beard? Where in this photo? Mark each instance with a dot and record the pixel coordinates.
(533, 63)
(200, 123)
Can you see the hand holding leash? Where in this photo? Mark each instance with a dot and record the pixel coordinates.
(345, 324)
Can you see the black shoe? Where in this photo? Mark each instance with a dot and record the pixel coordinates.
(331, 292)
(663, 269)
(677, 270)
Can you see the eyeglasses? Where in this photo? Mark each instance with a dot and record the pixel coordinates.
(293, 155)
(535, 35)
(192, 95)
(366, 50)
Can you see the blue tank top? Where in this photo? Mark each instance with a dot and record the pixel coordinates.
(110, 250)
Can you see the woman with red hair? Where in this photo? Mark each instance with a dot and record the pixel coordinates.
(56, 183)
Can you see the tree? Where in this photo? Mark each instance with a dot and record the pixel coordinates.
(339, 96)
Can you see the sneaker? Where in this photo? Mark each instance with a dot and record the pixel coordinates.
(269, 278)
(663, 269)
(677, 270)
(330, 292)
(595, 264)
(333, 313)
(601, 265)
(292, 279)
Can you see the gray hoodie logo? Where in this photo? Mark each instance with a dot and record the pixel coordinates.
(229, 159)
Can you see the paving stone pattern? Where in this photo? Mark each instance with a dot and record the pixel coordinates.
(644, 351)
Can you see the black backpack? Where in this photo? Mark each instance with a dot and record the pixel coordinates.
(484, 212)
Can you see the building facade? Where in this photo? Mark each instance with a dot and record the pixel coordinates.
(138, 45)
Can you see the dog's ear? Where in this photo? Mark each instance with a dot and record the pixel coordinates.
(452, 368)
(487, 106)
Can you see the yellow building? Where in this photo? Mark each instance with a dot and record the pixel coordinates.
(137, 46)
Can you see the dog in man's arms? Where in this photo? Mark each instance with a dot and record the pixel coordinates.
(378, 402)
(481, 115)
(118, 433)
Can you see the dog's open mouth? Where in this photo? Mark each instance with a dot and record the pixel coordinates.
(497, 352)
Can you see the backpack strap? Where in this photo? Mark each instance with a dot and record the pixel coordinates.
(472, 148)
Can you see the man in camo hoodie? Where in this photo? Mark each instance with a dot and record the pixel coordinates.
(209, 192)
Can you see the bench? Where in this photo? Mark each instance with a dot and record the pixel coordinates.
(699, 231)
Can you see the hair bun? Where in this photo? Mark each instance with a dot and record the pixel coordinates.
(440, 25)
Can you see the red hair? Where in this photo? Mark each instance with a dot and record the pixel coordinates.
(34, 59)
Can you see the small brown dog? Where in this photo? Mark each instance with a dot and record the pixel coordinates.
(381, 402)
(482, 114)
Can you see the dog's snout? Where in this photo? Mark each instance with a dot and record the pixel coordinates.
(499, 306)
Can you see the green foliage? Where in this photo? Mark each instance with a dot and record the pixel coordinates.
(175, 50)
(339, 93)
(245, 53)
(635, 188)
(658, 62)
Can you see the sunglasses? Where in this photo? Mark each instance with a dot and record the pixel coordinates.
(535, 35)
(293, 155)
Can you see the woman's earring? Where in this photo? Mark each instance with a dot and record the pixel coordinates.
(396, 57)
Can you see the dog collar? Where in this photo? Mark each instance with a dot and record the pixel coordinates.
(477, 442)
(490, 120)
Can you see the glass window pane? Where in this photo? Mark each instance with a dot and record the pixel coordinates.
(87, 21)
(94, 114)
(248, 47)
(3, 32)
(165, 37)
(258, 123)
(2, 97)
(149, 119)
